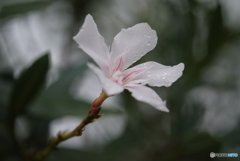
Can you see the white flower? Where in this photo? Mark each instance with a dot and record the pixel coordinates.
(128, 46)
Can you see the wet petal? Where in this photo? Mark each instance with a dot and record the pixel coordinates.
(92, 43)
(131, 73)
(158, 74)
(134, 43)
(109, 87)
(149, 96)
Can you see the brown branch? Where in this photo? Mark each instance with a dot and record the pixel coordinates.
(92, 116)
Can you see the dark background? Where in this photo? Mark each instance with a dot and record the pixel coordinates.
(43, 81)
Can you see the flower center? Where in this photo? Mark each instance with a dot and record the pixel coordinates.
(125, 77)
(118, 77)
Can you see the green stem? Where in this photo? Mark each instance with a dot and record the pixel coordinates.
(91, 117)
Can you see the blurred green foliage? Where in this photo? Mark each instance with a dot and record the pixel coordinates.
(27, 85)
(174, 136)
(22, 7)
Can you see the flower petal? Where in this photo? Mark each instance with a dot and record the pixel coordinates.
(109, 87)
(134, 43)
(92, 43)
(149, 96)
(158, 74)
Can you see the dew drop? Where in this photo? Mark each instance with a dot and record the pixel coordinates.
(149, 76)
(148, 72)
(170, 80)
(149, 43)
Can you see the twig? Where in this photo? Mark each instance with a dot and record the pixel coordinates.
(92, 116)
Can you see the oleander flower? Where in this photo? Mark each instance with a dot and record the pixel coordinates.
(128, 46)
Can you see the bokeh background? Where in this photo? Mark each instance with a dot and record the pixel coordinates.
(45, 86)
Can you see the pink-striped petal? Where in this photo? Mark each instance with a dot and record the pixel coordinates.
(159, 75)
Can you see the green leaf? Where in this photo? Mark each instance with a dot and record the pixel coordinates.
(28, 85)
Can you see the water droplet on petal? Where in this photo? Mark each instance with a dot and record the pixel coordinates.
(149, 43)
(170, 80)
